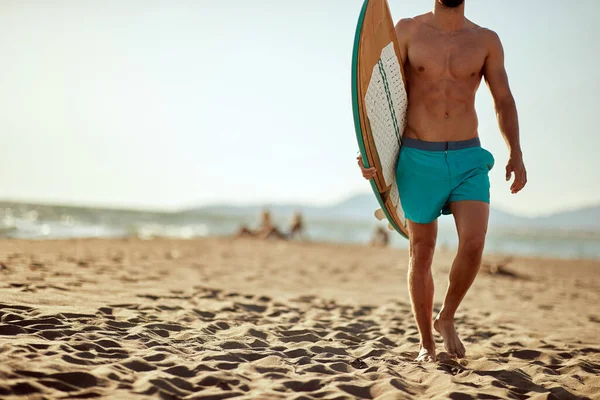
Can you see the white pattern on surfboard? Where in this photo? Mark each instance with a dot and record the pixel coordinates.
(386, 102)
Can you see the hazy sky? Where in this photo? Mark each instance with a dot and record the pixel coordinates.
(163, 104)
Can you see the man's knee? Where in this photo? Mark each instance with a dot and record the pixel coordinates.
(421, 251)
(472, 246)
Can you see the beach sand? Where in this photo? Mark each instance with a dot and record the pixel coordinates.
(224, 318)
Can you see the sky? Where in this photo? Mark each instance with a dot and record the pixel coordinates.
(163, 104)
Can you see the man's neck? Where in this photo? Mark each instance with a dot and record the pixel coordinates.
(448, 19)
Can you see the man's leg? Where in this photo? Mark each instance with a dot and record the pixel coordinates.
(420, 283)
(471, 219)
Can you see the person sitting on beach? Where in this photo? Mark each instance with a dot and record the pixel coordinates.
(296, 227)
(266, 231)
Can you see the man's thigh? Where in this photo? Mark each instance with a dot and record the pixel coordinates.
(471, 218)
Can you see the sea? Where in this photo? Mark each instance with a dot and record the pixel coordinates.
(43, 222)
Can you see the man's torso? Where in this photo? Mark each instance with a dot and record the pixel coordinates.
(443, 72)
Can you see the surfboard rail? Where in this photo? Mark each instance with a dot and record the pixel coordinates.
(362, 124)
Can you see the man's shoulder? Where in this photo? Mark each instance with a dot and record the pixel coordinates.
(486, 33)
(411, 23)
(405, 25)
(490, 37)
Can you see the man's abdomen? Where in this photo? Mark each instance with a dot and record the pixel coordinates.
(441, 111)
(432, 128)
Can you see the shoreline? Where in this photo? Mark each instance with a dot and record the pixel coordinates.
(442, 248)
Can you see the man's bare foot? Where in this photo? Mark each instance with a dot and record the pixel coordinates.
(452, 343)
(427, 354)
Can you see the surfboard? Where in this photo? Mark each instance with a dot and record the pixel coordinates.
(380, 102)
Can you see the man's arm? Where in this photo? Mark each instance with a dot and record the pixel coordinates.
(506, 110)
(402, 33)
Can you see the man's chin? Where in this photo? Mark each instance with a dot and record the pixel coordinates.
(451, 3)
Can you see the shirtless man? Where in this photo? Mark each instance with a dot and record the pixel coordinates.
(442, 167)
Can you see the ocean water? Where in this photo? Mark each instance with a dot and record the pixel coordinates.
(56, 222)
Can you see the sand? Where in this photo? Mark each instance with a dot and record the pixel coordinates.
(221, 318)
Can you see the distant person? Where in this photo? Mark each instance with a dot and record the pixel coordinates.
(381, 237)
(244, 231)
(266, 230)
(297, 227)
(442, 167)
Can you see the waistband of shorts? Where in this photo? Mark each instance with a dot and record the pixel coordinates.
(440, 146)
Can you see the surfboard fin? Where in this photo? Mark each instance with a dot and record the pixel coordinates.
(379, 214)
(390, 227)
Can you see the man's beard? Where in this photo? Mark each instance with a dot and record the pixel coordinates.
(452, 3)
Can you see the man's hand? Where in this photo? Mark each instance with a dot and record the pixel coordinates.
(367, 173)
(515, 165)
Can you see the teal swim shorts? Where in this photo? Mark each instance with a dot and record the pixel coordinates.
(431, 175)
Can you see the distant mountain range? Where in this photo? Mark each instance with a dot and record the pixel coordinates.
(359, 208)
(362, 206)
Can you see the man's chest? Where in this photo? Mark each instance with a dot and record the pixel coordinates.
(434, 55)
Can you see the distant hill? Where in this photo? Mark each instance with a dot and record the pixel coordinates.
(362, 206)
(359, 208)
(587, 218)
